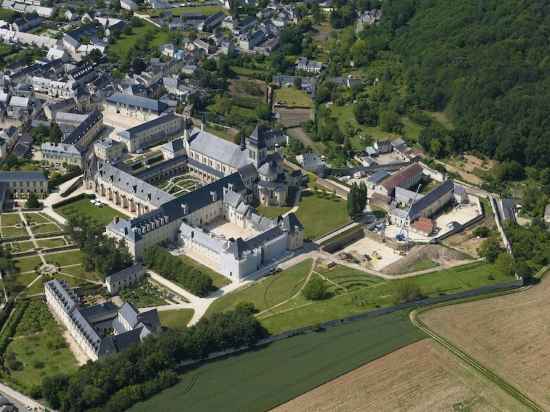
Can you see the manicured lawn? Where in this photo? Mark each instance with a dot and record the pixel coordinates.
(19, 282)
(49, 243)
(300, 312)
(65, 258)
(26, 264)
(82, 207)
(12, 231)
(40, 348)
(423, 264)
(23, 246)
(218, 280)
(79, 271)
(46, 228)
(6, 13)
(292, 97)
(285, 369)
(206, 10)
(37, 218)
(266, 292)
(9, 219)
(272, 211)
(176, 319)
(143, 295)
(319, 213)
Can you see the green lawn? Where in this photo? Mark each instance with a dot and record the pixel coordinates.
(23, 246)
(82, 207)
(178, 11)
(12, 231)
(37, 218)
(6, 13)
(18, 282)
(272, 211)
(124, 44)
(319, 213)
(423, 264)
(26, 264)
(292, 97)
(9, 219)
(80, 272)
(65, 258)
(143, 295)
(176, 319)
(39, 347)
(300, 312)
(46, 228)
(218, 280)
(49, 243)
(266, 292)
(285, 369)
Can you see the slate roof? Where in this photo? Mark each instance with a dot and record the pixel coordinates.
(430, 198)
(402, 176)
(138, 101)
(219, 149)
(378, 176)
(125, 273)
(34, 175)
(129, 133)
(78, 133)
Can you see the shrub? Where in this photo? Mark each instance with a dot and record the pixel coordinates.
(315, 289)
(406, 291)
(482, 231)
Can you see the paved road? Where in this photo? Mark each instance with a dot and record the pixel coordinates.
(20, 398)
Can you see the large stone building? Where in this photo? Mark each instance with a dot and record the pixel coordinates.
(20, 184)
(152, 132)
(103, 329)
(142, 108)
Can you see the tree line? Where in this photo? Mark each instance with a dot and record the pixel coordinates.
(171, 267)
(118, 381)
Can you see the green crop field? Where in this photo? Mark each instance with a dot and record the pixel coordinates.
(283, 370)
(176, 319)
(266, 292)
(102, 215)
(320, 214)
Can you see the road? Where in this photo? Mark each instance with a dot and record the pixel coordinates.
(18, 397)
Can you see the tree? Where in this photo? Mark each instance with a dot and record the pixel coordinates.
(390, 122)
(505, 264)
(33, 202)
(315, 289)
(405, 291)
(490, 249)
(55, 133)
(365, 113)
(357, 200)
(482, 231)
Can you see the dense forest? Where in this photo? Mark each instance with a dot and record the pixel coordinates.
(485, 63)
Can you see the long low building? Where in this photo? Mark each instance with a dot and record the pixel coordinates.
(102, 329)
(20, 184)
(138, 107)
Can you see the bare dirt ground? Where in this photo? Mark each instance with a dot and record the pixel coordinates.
(78, 353)
(294, 117)
(508, 334)
(445, 257)
(420, 377)
(469, 167)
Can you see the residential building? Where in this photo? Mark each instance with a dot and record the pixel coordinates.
(406, 177)
(308, 66)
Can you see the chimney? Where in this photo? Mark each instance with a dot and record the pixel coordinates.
(214, 196)
(202, 127)
(185, 208)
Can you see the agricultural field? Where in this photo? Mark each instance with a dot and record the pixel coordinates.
(266, 292)
(422, 376)
(321, 213)
(38, 349)
(176, 319)
(291, 97)
(82, 207)
(508, 335)
(285, 369)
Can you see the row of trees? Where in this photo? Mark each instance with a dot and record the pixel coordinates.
(102, 254)
(357, 200)
(190, 278)
(118, 381)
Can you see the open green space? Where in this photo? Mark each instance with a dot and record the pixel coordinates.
(9, 219)
(292, 97)
(38, 349)
(19, 247)
(17, 283)
(219, 281)
(272, 211)
(102, 215)
(37, 218)
(65, 258)
(80, 272)
(267, 292)
(12, 231)
(178, 11)
(26, 264)
(6, 14)
(321, 213)
(122, 46)
(423, 264)
(143, 295)
(300, 312)
(285, 369)
(46, 228)
(49, 243)
(176, 319)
